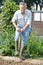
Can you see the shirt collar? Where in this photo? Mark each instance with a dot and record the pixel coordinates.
(24, 13)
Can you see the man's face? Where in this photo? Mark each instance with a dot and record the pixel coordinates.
(22, 8)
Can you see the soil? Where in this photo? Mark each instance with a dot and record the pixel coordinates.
(7, 60)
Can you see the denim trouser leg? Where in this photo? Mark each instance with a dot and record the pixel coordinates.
(25, 35)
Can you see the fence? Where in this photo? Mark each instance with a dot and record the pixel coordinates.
(37, 22)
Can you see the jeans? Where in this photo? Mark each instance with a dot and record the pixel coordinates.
(24, 34)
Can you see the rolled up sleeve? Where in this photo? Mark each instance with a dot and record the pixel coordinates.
(14, 19)
(29, 20)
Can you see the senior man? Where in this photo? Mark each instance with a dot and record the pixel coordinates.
(22, 22)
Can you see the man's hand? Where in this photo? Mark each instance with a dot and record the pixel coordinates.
(24, 27)
(18, 29)
(22, 30)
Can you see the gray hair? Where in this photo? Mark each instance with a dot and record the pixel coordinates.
(22, 3)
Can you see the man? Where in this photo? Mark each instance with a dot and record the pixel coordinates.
(22, 22)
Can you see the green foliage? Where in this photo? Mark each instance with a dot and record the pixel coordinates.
(34, 46)
(17, 1)
(6, 28)
(0, 10)
(8, 10)
(33, 49)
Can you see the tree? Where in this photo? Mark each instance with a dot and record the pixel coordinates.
(1, 2)
(17, 1)
(29, 2)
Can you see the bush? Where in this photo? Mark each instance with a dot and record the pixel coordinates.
(0, 10)
(8, 10)
(33, 49)
(34, 46)
(6, 28)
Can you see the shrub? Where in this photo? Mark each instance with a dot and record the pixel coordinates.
(0, 10)
(6, 28)
(34, 46)
(8, 10)
(33, 49)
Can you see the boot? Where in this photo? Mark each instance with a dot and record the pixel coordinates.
(21, 51)
(19, 44)
(16, 49)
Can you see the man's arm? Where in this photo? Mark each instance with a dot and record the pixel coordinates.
(14, 23)
(28, 21)
(18, 29)
(24, 27)
(14, 19)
